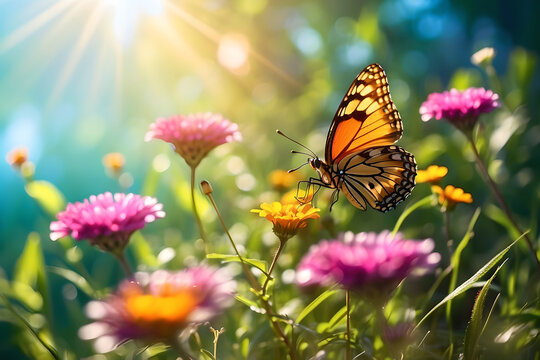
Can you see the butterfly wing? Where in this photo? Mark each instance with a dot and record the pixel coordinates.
(381, 177)
(366, 117)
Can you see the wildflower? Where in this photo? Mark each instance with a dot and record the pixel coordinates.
(195, 135)
(370, 264)
(451, 196)
(17, 157)
(432, 175)
(460, 108)
(114, 162)
(483, 56)
(158, 306)
(106, 220)
(288, 219)
(283, 180)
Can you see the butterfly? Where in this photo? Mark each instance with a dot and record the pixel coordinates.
(360, 158)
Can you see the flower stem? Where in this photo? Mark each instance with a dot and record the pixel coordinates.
(277, 329)
(274, 261)
(348, 305)
(197, 217)
(449, 242)
(498, 195)
(123, 262)
(248, 273)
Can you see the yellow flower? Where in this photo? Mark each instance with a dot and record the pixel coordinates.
(282, 180)
(451, 196)
(114, 162)
(287, 218)
(17, 156)
(433, 174)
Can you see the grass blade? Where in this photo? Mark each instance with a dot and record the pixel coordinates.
(468, 284)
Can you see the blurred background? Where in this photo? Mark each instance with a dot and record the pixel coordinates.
(82, 78)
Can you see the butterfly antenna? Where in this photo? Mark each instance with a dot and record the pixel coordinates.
(311, 153)
(300, 152)
(301, 166)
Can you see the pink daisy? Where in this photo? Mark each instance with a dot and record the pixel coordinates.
(195, 135)
(461, 108)
(370, 264)
(106, 220)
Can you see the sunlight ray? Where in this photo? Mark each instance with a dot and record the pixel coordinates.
(28, 70)
(215, 36)
(33, 25)
(87, 33)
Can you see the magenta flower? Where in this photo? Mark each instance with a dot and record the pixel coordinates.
(460, 108)
(194, 135)
(368, 263)
(106, 220)
(158, 306)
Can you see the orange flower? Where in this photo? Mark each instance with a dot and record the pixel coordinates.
(433, 174)
(287, 218)
(451, 196)
(283, 180)
(17, 156)
(114, 162)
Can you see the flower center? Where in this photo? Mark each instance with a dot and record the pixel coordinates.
(172, 308)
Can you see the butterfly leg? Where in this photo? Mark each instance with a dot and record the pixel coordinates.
(312, 182)
(334, 198)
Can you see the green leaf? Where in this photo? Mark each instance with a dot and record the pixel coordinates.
(497, 215)
(47, 196)
(425, 201)
(205, 354)
(249, 303)
(315, 303)
(469, 283)
(30, 268)
(76, 279)
(259, 264)
(477, 324)
(142, 250)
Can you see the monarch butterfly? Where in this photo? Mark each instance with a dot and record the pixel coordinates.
(360, 158)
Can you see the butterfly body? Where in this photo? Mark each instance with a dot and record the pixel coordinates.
(360, 158)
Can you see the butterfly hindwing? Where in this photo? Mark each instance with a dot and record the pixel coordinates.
(366, 117)
(380, 177)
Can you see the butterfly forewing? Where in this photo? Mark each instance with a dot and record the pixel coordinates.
(380, 177)
(366, 117)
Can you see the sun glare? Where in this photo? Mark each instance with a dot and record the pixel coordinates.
(126, 14)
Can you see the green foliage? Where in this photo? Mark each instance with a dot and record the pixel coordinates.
(46, 195)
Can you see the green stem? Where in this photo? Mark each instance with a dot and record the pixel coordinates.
(277, 329)
(194, 205)
(498, 195)
(27, 325)
(449, 242)
(123, 262)
(348, 305)
(248, 273)
(274, 261)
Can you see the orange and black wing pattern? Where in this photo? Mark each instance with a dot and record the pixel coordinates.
(366, 117)
(380, 177)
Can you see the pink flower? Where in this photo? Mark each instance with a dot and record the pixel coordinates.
(368, 263)
(194, 135)
(461, 108)
(106, 220)
(158, 306)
